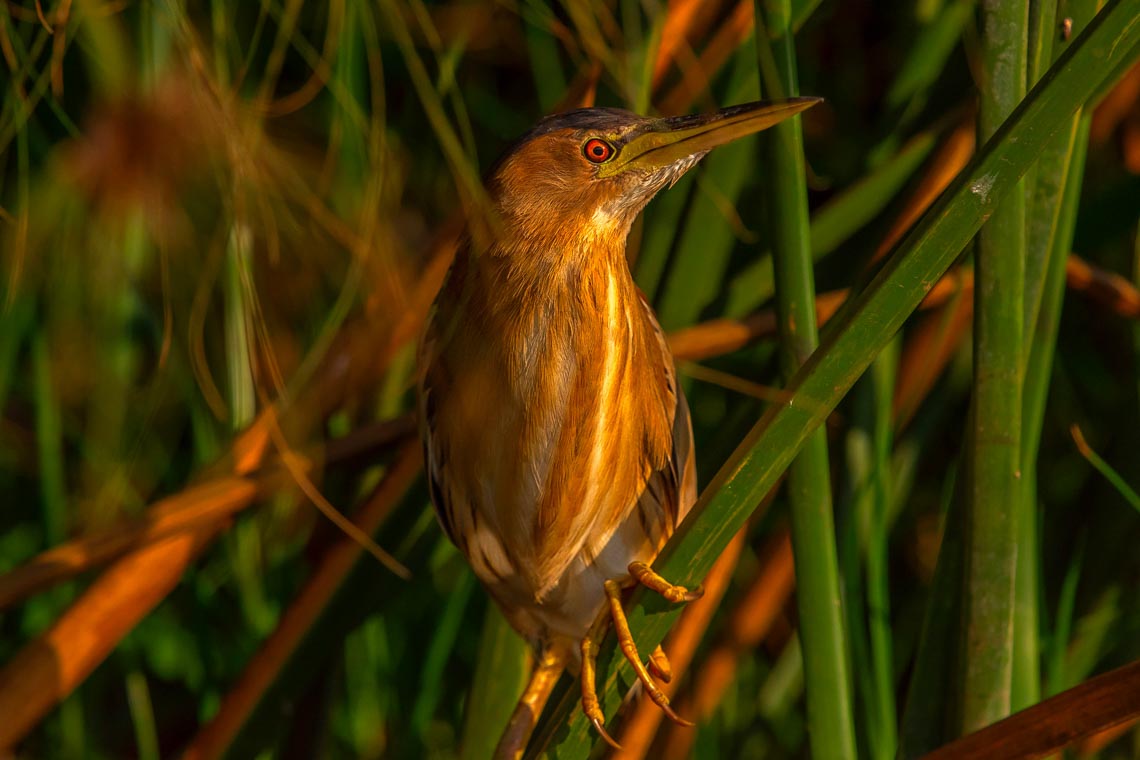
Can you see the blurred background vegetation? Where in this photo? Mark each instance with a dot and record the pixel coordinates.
(222, 225)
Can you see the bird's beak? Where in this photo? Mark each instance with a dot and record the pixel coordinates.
(665, 141)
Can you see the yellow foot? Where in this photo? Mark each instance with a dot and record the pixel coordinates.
(658, 663)
(513, 742)
(643, 574)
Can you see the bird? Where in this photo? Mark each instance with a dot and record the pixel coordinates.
(557, 442)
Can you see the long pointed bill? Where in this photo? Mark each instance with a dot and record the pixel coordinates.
(666, 141)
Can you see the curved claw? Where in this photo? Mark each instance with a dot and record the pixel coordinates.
(601, 729)
(694, 594)
(673, 716)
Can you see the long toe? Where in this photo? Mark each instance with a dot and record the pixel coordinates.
(646, 576)
(590, 705)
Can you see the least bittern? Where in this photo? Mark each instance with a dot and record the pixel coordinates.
(557, 441)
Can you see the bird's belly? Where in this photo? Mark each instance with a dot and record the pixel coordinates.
(529, 511)
(567, 609)
(548, 580)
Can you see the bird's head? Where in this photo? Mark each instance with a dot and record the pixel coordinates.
(582, 177)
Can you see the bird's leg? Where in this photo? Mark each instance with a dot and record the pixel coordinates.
(643, 574)
(549, 667)
(629, 649)
(590, 704)
(658, 662)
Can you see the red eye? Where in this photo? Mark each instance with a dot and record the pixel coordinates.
(597, 151)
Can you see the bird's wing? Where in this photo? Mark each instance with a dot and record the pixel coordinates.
(672, 488)
(428, 380)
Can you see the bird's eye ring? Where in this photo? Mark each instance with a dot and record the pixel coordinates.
(597, 151)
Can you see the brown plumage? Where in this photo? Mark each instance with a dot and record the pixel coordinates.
(557, 441)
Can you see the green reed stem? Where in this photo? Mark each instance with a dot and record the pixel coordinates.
(827, 672)
(994, 492)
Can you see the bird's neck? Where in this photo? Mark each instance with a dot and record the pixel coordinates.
(569, 268)
(532, 309)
